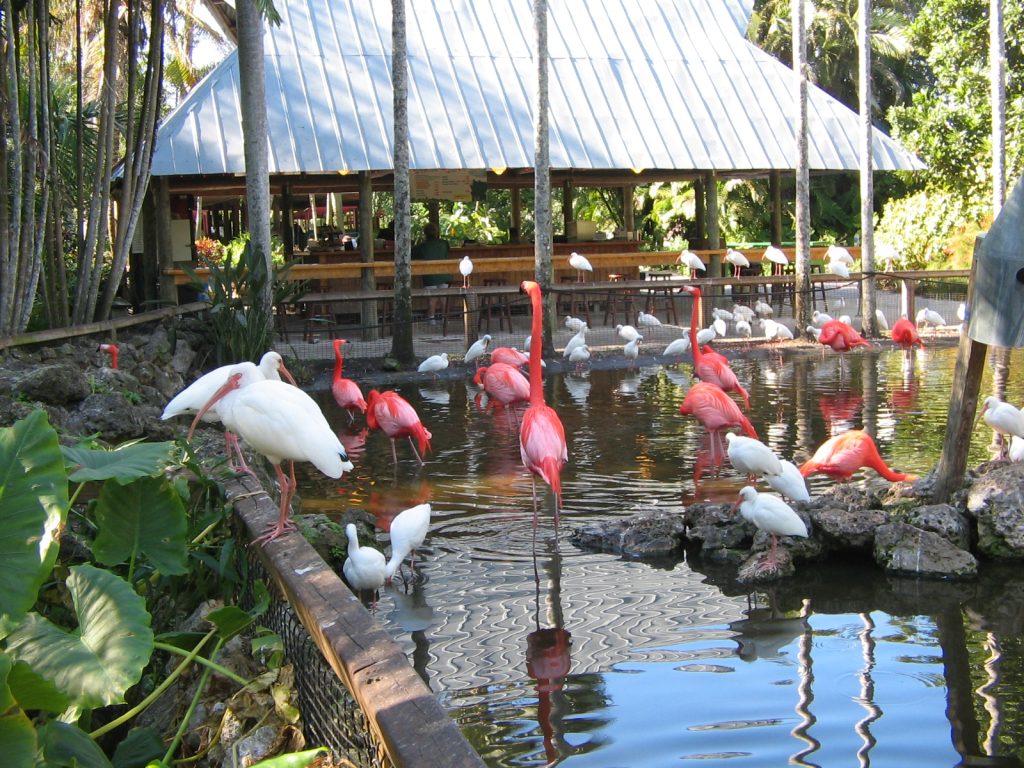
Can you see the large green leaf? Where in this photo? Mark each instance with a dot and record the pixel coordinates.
(33, 506)
(106, 655)
(124, 464)
(17, 740)
(141, 747)
(33, 691)
(294, 760)
(145, 517)
(70, 746)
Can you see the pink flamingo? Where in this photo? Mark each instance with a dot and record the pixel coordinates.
(904, 333)
(392, 413)
(844, 454)
(346, 392)
(110, 349)
(509, 356)
(503, 383)
(713, 369)
(841, 337)
(541, 437)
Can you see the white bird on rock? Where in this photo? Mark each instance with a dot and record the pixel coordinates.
(581, 264)
(465, 269)
(1004, 419)
(644, 318)
(365, 567)
(191, 399)
(433, 364)
(773, 516)
(627, 332)
(477, 348)
(691, 260)
(284, 424)
(752, 457)
(790, 483)
(408, 530)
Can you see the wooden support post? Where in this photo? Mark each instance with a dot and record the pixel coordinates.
(775, 193)
(714, 237)
(907, 290)
(168, 291)
(287, 231)
(516, 231)
(368, 317)
(568, 220)
(699, 216)
(628, 215)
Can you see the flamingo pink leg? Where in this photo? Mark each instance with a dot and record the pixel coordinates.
(415, 452)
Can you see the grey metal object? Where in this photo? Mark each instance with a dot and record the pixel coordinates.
(668, 85)
(996, 309)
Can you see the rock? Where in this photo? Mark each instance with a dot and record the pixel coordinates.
(847, 529)
(944, 520)
(995, 500)
(183, 358)
(649, 535)
(861, 494)
(56, 384)
(716, 528)
(111, 415)
(904, 548)
(752, 572)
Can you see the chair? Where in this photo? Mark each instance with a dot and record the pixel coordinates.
(491, 303)
(618, 299)
(575, 303)
(666, 295)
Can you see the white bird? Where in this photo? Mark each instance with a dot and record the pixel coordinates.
(777, 257)
(632, 349)
(928, 316)
(743, 312)
(961, 311)
(574, 323)
(646, 319)
(846, 319)
(364, 567)
(773, 516)
(191, 399)
(1004, 419)
(839, 255)
(433, 364)
(580, 356)
(774, 330)
(627, 332)
(883, 324)
(722, 314)
(815, 332)
(527, 342)
(706, 336)
(820, 318)
(580, 263)
(691, 260)
(477, 348)
(790, 483)
(838, 268)
(763, 308)
(743, 329)
(1016, 453)
(752, 457)
(677, 348)
(284, 424)
(465, 269)
(719, 327)
(737, 260)
(408, 530)
(576, 341)
(886, 255)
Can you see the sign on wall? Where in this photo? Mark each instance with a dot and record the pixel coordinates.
(444, 185)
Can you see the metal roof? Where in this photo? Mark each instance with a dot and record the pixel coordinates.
(671, 84)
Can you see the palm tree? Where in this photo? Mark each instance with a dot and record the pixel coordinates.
(542, 172)
(802, 310)
(869, 323)
(401, 340)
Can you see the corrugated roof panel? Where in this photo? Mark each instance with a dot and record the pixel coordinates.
(671, 84)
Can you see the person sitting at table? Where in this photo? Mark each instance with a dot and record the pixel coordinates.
(433, 248)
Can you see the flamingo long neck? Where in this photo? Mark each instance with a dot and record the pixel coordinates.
(874, 460)
(694, 320)
(536, 384)
(338, 362)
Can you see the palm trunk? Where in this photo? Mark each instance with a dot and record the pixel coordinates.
(869, 324)
(401, 341)
(542, 174)
(804, 297)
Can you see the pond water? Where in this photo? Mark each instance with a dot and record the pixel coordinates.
(544, 653)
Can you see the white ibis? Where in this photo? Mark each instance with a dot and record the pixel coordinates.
(646, 319)
(691, 260)
(743, 312)
(477, 348)
(408, 530)
(281, 422)
(775, 331)
(820, 318)
(1004, 419)
(706, 336)
(192, 399)
(777, 257)
(574, 323)
(580, 356)
(846, 320)
(465, 269)
(839, 255)
(790, 483)
(763, 308)
(364, 567)
(627, 332)
(433, 364)
(752, 457)
(773, 516)
(838, 268)
(719, 327)
(632, 350)
(743, 329)
(883, 324)
(928, 316)
(579, 340)
(677, 348)
(581, 264)
(737, 259)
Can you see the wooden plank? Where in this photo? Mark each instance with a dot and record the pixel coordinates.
(404, 714)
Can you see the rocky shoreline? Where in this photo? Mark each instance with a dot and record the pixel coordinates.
(893, 524)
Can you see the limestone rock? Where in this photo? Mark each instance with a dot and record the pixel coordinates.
(944, 520)
(111, 415)
(56, 384)
(903, 548)
(847, 529)
(714, 527)
(995, 500)
(651, 535)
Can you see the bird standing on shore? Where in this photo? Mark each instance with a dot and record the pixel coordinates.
(773, 516)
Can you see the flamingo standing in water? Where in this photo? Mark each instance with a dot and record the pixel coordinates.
(712, 369)
(392, 413)
(716, 411)
(346, 392)
(283, 423)
(842, 455)
(904, 333)
(541, 436)
(509, 356)
(503, 383)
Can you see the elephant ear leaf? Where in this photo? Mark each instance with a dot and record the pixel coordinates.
(125, 464)
(105, 656)
(33, 507)
(147, 518)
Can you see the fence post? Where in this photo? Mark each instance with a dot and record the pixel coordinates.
(907, 290)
